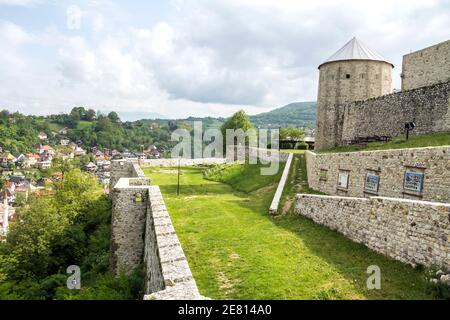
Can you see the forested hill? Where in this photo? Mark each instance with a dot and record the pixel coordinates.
(297, 114)
(18, 132)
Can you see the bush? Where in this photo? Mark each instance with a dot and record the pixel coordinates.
(301, 146)
(71, 227)
(435, 287)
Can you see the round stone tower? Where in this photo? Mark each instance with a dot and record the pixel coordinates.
(353, 73)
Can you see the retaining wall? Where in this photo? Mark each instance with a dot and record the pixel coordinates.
(414, 232)
(390, 166)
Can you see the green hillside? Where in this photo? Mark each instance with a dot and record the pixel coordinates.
(297, 114)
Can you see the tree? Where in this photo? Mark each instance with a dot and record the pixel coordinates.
(78, 113)
(294, 134)
(90, 115)
(114, 117)
(60, 165)
(238, 121)
(2, 183)
(103, 124)
(47, 222)
(292, 138)
(31, 236)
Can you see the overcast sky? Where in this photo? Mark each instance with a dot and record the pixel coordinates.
(193, 57)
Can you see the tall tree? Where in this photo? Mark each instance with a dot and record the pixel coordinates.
(239, 120)
(114, 117)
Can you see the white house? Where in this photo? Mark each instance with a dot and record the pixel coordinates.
(42, 135)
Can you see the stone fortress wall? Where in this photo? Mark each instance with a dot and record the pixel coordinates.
(183, 162)
(342, 82)
(142, 233)
(356, 101)
(360, 203)
(390, 166)
(428, 107)
(426, 67)
(360, 185)
(414, 232)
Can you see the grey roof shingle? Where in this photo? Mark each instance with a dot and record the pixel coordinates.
(355, 50)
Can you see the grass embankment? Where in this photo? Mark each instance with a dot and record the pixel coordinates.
(297, 182)
(245, 178)
(430, 140)
(236, 251)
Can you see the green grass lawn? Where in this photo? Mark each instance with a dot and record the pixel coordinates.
(293, 151)
(236, 251)
(245, 178)
(430, 140)
(55, 126)
(85, 124)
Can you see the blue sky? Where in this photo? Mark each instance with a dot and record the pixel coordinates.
(193, 57)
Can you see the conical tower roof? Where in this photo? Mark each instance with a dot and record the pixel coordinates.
(355, 50)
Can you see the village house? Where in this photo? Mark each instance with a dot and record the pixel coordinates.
(140, 155)
(78, 151)
(45, 164)
(10, 189)
(18, 157)
(63, 131)
(6, 158)
(152, 152)
(44, 149)
(30, 160)
(24, 190)
(42, 135)
(90, 167)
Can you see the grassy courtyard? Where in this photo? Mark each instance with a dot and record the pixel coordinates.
(236, 251)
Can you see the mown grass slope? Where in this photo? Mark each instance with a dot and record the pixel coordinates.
(245, 178)
(236, 251)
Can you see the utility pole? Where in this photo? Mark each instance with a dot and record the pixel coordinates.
(178, 186)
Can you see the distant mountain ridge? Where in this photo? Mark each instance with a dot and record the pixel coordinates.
(296, 114)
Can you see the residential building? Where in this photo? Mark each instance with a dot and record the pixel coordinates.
(42, 135)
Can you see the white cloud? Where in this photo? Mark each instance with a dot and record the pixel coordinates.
(210, 57)
(25, 3)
